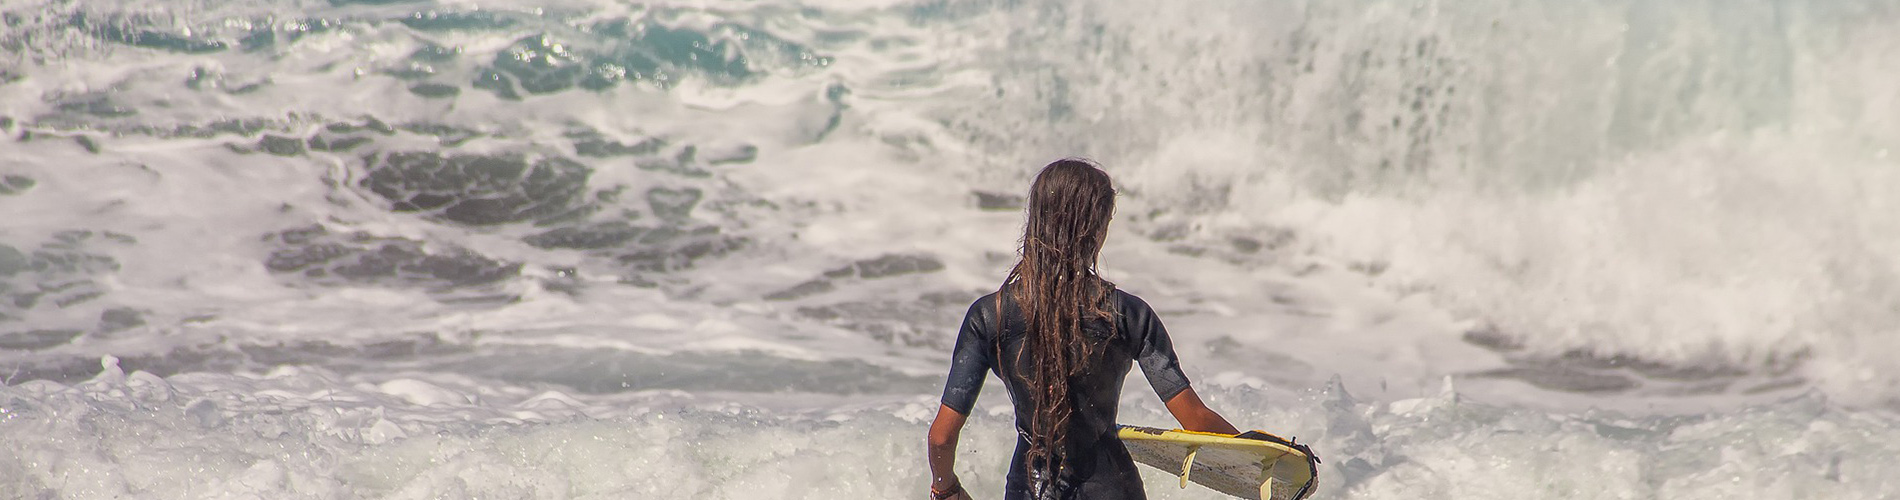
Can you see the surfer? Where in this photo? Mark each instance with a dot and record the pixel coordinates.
(1061, 338)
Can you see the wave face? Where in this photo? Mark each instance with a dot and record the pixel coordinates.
(1684, 183)
(409, 249)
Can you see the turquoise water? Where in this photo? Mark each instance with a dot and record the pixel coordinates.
(393, 249)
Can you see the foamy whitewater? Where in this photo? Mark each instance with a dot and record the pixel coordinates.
(718, 249)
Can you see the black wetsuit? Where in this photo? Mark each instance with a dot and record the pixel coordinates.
(1098, 467)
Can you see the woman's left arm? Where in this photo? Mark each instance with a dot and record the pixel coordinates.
(1194, 415)
(942, 446)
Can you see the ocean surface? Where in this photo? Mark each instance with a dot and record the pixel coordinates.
(718, 249)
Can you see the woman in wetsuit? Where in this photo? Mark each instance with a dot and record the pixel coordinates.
(1061, 338)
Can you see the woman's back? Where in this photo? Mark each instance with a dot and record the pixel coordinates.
(1062, 339)
(1134, 334)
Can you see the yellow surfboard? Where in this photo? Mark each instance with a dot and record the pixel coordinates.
(1254, 465)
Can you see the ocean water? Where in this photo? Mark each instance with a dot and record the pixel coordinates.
(718, 249)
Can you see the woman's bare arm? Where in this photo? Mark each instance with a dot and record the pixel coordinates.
(1188, 409)
(942, 450)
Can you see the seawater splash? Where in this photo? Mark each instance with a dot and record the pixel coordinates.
(316, 434)
(344, 249)
(1686, 184)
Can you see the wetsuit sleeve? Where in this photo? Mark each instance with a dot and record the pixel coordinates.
(969, 361)
(1153, 349)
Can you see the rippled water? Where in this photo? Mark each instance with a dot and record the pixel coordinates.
(1496, 249)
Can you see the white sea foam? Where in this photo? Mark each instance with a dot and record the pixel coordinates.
(1647, 243)
(312, 434)
(1612, 180)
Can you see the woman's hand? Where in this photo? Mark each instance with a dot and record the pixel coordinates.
(942, 448)
(953, 491)
(1196, 416)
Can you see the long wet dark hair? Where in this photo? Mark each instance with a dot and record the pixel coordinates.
(1057, 289)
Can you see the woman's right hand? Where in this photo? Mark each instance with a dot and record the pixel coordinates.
(956, 486)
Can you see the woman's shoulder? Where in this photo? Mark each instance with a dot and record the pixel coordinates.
(988, 299)
(983, 307)
(1128, 302)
